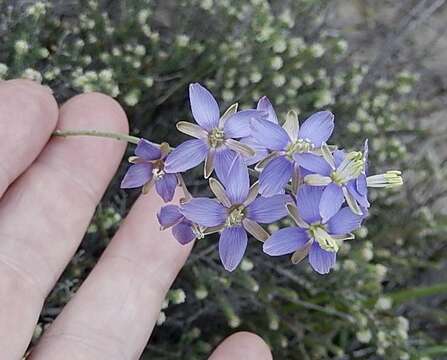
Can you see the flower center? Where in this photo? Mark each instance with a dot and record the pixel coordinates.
(235, 215)
(158, 170)
(350, 168)
(299, 146)
(318, 232)
(216, 137)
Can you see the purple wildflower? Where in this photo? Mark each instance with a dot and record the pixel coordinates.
(338, 173)
(149, 168)
(262, 152)
(236, 211)
(183, 230)
(289, 144)
(314, 237)
(215, 136)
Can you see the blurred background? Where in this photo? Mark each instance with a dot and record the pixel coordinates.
(380, 66)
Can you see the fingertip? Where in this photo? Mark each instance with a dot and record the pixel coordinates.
(242, 345)
(109, 111)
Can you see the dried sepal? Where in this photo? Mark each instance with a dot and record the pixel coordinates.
(327, 155)
(252, 193)
(240, 148)
(191, 129)
(263, 163)
(294, 214)
(300, 254)
(291, 125)
(230, 111)
(219, 191)
(209, 163)
(352, 203)
(148, 187)
(256, 230)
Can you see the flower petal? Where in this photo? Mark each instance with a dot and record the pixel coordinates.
(204, 211)
(267, 210)
(137, 175)
(269, 134)
(318, 127)
(232, 245)
(313, 163)
(331, 201)
(308, 203)
(183, 232)
(237, 183)
(223, 159)
(147, 150)
(261, 151)
(275, 176)
(186, 156)
(264, 104)
(203, 106)
(344, 222)
(238, 124)
(285, 241)
(169, 215)
(166, 186)
(361, 185)
(322, 261)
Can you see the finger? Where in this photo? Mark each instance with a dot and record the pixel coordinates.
(28, 115)
(44, 214)
(242, 345)
(116, 308)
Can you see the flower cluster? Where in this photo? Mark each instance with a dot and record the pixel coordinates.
(322, 188)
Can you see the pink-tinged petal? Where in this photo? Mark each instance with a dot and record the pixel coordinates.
(339, 156)
(285, 241)
(313, 163)
(232, 245)
(204, 211)
(322, 261)
(186, 156)
(137, 175)
(238, 124)
(222, 162)
(308, 203)
(275, 176)
(264, 104)
(147, 150)
(237, 183)
(203, 106)
(169, 215)
(318, 127)
(331, 201)
(166, 186)
(269, 134)
(261, 151)
(344, 222)
(183, 233)
(267, 210)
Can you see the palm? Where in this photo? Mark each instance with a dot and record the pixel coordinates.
(49, 190)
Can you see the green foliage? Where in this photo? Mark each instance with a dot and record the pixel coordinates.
(145, 53)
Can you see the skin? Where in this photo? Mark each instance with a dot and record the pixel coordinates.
(49, 188)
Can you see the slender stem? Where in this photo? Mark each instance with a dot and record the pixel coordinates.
(103, 134)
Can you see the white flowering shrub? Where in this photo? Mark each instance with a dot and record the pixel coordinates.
(144, 54)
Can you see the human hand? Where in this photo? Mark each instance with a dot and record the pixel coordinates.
(49, 188)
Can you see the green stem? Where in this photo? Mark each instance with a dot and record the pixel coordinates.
(96, 133)
(418, 292)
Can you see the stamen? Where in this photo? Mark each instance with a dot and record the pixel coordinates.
(236, 215)
(326, 241)
(388, 180)
(216, 137)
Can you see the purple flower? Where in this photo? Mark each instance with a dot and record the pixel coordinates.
(314, 237)
(288, 143)
(339, 174)
(262, 152)
(149, 168)
(183, 230)
(235, 211)
(215, 136)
